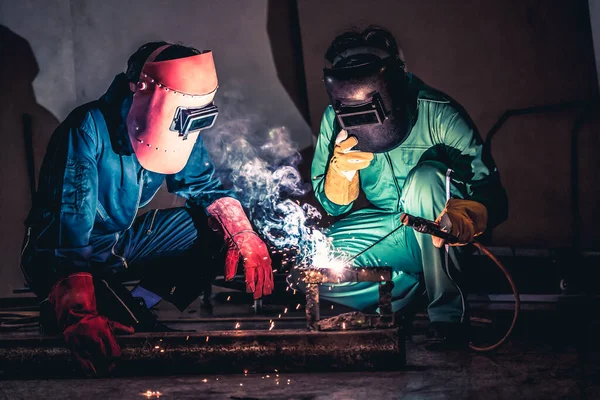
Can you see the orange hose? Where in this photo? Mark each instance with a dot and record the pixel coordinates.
(515, 293)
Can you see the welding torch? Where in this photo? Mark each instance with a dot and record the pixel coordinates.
(427, 226)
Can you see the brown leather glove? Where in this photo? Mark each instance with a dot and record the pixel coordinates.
(341, 181)
(464, 219)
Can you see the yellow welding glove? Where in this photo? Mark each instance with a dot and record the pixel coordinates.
(341, 181)
(464, 219)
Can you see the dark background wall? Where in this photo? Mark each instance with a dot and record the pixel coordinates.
(81, 45)
(489, 55)
(492, 56)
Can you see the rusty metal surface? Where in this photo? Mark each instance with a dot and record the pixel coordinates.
(313, 314)
(347, 274)
(217, 352)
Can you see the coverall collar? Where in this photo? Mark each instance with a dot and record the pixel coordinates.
(115, 105)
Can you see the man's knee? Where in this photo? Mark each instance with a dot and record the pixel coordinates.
(427, 173)
(425, 186)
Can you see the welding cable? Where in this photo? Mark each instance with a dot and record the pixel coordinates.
(502, 268)
(513, 287)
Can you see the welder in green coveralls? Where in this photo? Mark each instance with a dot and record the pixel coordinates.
(404, 144)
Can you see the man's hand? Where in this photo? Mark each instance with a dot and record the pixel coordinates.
(89, 336)
(463, 219)
(244, 243)
(341, 182)
(346, 161)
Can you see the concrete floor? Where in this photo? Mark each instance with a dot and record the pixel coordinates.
(518, 371)
(553, 354)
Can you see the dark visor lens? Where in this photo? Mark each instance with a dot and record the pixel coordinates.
(202, 122)
(188, 120)
(352, 120)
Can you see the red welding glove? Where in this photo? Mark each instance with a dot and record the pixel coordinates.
(464, 219)
(90, 336)
(227, 216)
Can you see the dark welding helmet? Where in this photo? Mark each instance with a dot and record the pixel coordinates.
(370, 102)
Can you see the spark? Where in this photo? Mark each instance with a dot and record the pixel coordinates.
(285, 310)
(207, 339)
(343, 325)
(204, 380)
(279, 316)
(157, 347)
(272, 325)
(228, 298)
(162, 350)
(298, 306)
(332, 307)
(187, 338)
(152, 393)
(237, 325)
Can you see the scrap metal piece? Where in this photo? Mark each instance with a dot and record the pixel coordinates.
(385, 304)
(313, 277)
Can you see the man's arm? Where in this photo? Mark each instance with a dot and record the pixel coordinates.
(473, 165)
(320, 164)
(197, 183)
(70, 181)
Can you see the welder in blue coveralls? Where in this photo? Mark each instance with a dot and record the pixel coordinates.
(390, 135)
(103, 163)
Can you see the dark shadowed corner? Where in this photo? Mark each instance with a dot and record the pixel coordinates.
(26, 128)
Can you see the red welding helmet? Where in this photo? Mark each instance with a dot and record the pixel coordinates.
(172, 103)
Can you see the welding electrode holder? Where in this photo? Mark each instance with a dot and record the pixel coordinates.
(429, 227)
(423, 225)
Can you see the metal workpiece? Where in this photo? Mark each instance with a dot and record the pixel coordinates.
(313, 313)
(385, 303)
(215, 352)
(314, 277)
(346, 274)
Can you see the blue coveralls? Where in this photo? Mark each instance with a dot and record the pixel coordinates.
(84, 215)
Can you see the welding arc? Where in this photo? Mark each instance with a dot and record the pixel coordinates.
(513, 287)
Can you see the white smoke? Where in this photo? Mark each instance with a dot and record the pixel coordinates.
(263, 173)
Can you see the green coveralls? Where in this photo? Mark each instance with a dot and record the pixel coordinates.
(410, 178)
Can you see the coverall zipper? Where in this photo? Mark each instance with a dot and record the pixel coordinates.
(132, 221)
(389, 160)
(149, 231)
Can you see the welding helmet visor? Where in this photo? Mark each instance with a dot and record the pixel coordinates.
(370, 102)
(172, 103)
